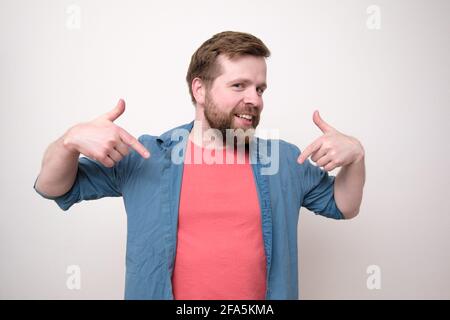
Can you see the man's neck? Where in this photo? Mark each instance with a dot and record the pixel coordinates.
(201, 135)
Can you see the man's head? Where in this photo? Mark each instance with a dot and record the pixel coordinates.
(226, 79)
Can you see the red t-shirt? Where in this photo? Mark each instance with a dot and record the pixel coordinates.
(220, 250)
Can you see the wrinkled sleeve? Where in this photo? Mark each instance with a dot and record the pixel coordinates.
(93, 181)
(318, 190)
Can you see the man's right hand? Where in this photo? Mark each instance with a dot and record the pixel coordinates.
(102, 140)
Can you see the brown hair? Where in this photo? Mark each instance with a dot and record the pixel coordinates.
(229, 43)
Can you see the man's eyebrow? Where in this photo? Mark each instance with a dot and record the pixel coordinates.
(247, 81)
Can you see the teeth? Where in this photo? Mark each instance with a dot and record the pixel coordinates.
(245, 116)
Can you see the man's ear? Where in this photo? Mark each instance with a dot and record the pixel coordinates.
(198, 90)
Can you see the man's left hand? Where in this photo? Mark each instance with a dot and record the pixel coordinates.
(333, 149)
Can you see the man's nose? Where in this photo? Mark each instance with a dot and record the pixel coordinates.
(253, 98)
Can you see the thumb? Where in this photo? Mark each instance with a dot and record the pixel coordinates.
(323, 126)
(116, 112)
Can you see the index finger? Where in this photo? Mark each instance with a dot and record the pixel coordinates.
(134, 143)
(313, 147)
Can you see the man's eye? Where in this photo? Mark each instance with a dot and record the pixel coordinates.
(237, 85)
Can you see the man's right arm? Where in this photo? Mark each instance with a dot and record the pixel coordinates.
(58, 169)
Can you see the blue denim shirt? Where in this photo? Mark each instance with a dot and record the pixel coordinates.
(151, 192)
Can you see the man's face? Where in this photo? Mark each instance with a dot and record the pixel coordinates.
(235, 97)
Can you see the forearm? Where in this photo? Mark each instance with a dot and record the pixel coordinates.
(348, 187)
(58, 170)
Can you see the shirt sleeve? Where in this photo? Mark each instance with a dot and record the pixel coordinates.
(318, 189)
(93, 181)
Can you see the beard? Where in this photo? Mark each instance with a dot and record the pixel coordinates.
(226, 121)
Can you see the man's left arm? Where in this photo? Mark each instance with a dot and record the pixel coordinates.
(335, 149)
(348, 187)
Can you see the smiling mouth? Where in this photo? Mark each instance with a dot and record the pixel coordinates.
(245, 117)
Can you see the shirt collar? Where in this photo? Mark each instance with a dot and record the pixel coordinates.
(165, 139)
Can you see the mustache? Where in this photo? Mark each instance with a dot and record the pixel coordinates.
(253, 111)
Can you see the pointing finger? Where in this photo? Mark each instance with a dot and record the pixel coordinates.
(313, 147)
(134, 143)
